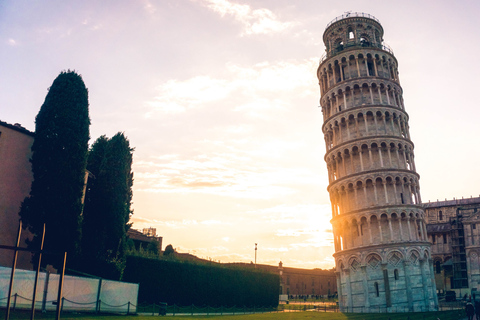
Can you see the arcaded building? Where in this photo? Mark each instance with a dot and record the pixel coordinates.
(382, 253)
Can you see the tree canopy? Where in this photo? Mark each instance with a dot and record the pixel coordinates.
(59, 165)
(107, 206)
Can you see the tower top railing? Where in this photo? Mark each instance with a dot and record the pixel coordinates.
(351, 15)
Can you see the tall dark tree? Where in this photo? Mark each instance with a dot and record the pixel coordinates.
(58, 163)
(107, 206)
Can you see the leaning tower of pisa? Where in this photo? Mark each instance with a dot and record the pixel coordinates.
(382, 255)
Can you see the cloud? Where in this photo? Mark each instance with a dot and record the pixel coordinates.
(223, 174)
(142, 222)
(253, 90)
(254, 21)
(12, 42)
(149, 7)
(179, 182)
(179, 96)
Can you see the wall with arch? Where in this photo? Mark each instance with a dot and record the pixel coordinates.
(383, 227)
(367, 122)
(392, 280)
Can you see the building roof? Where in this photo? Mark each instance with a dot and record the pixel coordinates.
(450, 203)
(139, 236)
(17, 127)
(438, 227)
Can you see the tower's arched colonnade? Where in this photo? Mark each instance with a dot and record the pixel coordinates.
(382, 253)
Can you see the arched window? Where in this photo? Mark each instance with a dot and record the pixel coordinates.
(338, 45)
(440, 215)
(395, 274)
(350, 33)
(376, 289)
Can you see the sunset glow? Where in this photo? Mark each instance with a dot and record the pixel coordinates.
(220, 100)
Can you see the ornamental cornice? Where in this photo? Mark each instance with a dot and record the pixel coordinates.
(367, 140)
(383, 250)
(358, 215)
(372, 175)
(347, 52)
(359, 81)
(371, 212)
(364, 109)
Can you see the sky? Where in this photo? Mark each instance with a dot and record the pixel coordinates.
(220, 100)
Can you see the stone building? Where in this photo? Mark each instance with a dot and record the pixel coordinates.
(306, 282)
(382, 253)
(454, 231)
(300, 282)
(15, 180)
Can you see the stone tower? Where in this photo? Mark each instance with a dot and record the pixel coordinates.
(382, 253)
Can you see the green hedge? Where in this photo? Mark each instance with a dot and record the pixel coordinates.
(185, 283)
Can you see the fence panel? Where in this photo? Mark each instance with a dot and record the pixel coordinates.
(79, 293)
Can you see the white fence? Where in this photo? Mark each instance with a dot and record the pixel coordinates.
(79, 293)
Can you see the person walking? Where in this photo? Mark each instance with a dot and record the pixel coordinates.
(470, 310)
(477, 310)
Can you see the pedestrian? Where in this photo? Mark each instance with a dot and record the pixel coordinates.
(470, 310)
(477, 310)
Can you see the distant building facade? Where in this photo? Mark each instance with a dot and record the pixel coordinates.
(307, 282)
(301, 282)
(142, 239)
(15, 181)
(453, 228)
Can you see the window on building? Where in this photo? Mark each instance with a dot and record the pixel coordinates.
(438, 268)
(440, 215)
(444, 238)
(433, 239)
(377, 292)
(288, 280)
(401, 196)
(395, 274)
(370, 68)
(474, 226)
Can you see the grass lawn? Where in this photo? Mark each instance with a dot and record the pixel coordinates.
(445, 315)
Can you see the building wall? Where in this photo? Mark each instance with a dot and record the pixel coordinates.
(300, 282)
(15, 182)
(442, 217)
(307, 282)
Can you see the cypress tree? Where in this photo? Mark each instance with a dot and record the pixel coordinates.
(59, 165)
(107, 207)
